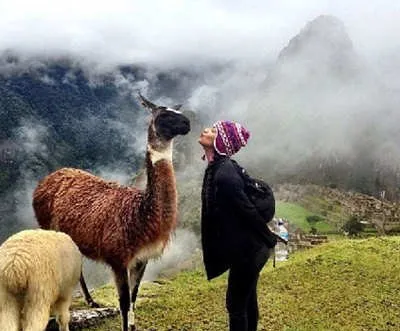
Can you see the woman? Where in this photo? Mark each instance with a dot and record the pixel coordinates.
(234, 235)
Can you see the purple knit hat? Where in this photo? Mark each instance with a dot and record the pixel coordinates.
(231, 136)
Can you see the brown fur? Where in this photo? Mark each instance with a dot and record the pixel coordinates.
(108, 222)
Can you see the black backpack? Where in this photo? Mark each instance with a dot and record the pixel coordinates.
(259, 193)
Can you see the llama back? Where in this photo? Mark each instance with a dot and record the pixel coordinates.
(37, 269)
(89, 209)
(57, 188)
(15, 261)
(26, 255)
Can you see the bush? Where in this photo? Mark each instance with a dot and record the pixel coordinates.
(353, 226)
(313, 219)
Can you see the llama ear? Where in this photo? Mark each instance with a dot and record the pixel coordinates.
(177, 107)
(146, 103)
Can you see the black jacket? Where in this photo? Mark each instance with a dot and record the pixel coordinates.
(231, 227)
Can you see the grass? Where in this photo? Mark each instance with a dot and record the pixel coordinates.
(343, 285)
(297, 215)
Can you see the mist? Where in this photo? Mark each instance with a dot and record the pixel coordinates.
(180, 32)
(177, 256)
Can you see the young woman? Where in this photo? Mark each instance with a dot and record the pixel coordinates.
(234, 235)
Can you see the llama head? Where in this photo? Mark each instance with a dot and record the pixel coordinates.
(166, 123)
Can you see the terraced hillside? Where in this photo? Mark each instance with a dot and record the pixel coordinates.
(336, 206)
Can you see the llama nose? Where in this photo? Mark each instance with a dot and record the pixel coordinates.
(187, 125)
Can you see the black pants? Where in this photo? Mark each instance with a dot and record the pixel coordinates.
(241, 295)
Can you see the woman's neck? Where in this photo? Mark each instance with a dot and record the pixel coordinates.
(209, 155)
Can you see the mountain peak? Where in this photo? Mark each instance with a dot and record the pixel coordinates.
(325, 34)
(321, 49)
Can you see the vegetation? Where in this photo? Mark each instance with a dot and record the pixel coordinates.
(344, 285)
(314, 219)
(298, 216)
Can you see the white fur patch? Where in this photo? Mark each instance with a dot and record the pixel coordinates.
(131, 318)
(150, 251)
(156, 156)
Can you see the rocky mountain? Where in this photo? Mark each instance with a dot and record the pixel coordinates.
(323, 116)
(326, 37)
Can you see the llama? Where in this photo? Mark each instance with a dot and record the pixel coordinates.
(120, 226)
(39, 270)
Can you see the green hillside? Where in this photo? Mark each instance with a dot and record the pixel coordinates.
(297, 216)
(344, 285)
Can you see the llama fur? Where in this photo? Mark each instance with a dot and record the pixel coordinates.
(105, 220)
(39, 270)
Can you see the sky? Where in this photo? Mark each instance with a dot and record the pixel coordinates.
(179, 31)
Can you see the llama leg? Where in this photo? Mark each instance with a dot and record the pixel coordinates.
(10, 311)
(86, 293)
(61, 309)
(36, 316)
(135, 276)
(121, 280)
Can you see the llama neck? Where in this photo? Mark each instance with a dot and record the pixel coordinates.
(159, 167)
(160, 197)
(156, 156)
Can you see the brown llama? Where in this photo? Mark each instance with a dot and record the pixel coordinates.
(120, 226)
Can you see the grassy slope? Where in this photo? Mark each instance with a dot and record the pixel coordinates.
(297, 214)
(343, 285)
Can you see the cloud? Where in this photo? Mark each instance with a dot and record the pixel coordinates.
(30, 145)
(324, 101)
(179, 31)
(30, 137)
(177, 255)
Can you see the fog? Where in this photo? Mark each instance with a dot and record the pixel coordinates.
(178, 255)
(178, 31)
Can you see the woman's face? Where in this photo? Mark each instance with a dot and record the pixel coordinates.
(207, 137)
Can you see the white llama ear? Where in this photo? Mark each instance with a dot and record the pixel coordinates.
(147, 104)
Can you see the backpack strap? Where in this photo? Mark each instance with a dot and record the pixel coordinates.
(241, 171)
